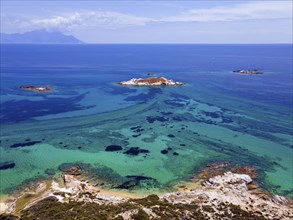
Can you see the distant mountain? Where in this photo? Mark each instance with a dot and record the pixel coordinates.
(38, 37)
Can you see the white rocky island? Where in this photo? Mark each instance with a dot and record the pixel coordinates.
(152, 81)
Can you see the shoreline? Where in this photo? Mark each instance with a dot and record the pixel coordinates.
(211, 187)
(180, 186)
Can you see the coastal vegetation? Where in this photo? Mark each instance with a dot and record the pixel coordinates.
(51, 209)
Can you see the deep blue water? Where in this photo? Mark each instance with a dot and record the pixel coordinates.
(195, 63)
(83, 79)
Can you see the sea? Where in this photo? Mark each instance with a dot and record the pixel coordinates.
(145, 139)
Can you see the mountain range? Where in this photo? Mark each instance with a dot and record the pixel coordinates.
(38, 37)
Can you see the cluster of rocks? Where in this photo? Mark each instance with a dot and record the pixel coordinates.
(232, 188)
(219, 168)
(152, 81)
(79, 190)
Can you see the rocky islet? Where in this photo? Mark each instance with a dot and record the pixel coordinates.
(37, 89)
(152, 81)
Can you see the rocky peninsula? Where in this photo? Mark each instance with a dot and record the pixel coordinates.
(225, 196)
(152, 81)
(37, 89)
(252, 72)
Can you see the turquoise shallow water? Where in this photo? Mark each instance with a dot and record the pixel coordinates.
(164, 134)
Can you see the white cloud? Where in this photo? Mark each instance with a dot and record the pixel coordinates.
(96, 19)
(173, 5)
(238, 12)
(115, 20)
(104, 19)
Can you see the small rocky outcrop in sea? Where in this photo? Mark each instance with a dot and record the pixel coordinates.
(37, 89)
(152, 81)
(255, 71)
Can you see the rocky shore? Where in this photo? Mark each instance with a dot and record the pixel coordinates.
(224, 196)
(152, 81)
(37, 89)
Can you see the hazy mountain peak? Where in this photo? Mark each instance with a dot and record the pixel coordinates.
(39, 37)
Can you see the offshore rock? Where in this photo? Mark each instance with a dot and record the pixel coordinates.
(253, 72)
(37, 89)
(152, 81)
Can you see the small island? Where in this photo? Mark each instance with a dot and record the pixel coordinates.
(37, 89)
(252, 72)
(150, 74)
(152, 81)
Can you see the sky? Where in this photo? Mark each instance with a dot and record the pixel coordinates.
(205, 21)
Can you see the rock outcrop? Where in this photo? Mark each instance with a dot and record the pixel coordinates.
(74, 170)
(224, 196)
(152, 81)
(223, 193)
(253, 72)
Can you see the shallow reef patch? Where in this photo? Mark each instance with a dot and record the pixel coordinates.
(25, 144)
(134, 151)
(113, 148)
(7, 165)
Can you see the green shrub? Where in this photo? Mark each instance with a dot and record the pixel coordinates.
(140, 215)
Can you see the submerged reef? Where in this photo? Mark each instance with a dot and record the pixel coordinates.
(136, 151)
(133, 181)
(13, 111)
(7, 165)
(25, 144)
(113, 148)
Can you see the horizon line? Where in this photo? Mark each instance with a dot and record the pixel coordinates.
(146, 43)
